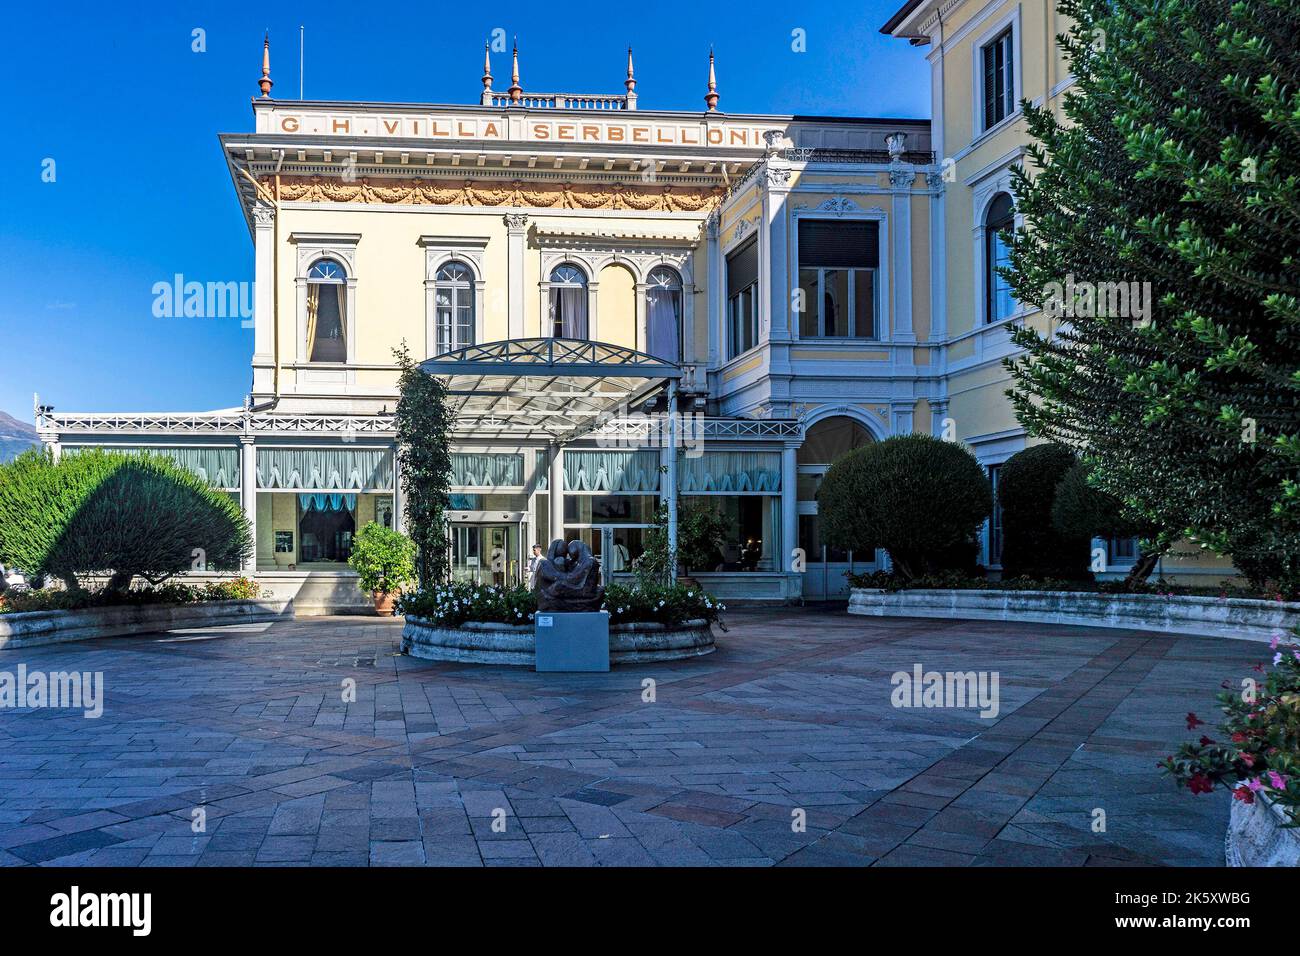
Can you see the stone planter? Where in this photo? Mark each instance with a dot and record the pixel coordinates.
(481, 643)
(1256, 836)
(1239, 618)
(33, 628)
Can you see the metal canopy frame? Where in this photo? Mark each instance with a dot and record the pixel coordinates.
(552, 389)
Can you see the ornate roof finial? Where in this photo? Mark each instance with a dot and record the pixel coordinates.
(487, 66)
(515, 90)
(630, 82)
(265, 81)
(711, 97)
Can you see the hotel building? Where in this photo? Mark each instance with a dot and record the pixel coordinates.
(622, 301)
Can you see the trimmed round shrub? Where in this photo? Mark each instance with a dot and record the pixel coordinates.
(120, 514)
(1031, 544)
(921, 499)
(1081, 511)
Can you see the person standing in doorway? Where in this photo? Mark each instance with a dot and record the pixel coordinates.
(533, 562)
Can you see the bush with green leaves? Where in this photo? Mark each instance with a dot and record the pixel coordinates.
(124, 515)
(384, 559)
(1031, 544)
(455, 603)
(921, 499)
(1081, 510)
(173, 592)
(669, 604)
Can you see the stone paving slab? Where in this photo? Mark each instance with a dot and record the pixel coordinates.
(782, 748)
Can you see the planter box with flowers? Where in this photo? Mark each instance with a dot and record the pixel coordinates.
(493, 625)
(1258, 760)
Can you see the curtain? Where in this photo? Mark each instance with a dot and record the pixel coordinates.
(342, 292)
(323, 502)
(327, 469)
(729, 471)
(611, 471)
(664, 318)
(569, 311)
(219, 467)
(313, 309)
(486, 470)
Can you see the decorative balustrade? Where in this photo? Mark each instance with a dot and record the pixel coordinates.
(564, 101)
(353, 427)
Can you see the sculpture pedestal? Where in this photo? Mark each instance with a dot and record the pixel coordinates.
(569, 641)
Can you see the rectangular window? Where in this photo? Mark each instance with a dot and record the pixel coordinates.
(999, 80)
(995, 521)
(1122, 550)
(837, 278)
(742, 299)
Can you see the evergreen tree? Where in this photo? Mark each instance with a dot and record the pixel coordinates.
(424, 449)
(1176, 163)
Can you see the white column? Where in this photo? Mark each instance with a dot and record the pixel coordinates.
(248, 492)
(789, 506)
(778, 178)
(516, 248)
(555, 488)
(900, 181)
(668, 491)
(717, 298)
(399, 501)
(938, 415)
(765, 265)
(263, 301)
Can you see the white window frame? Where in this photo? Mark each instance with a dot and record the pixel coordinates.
(1011, 19)
(311, 248)
(438, 251)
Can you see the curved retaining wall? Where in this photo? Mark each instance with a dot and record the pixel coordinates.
(480, 643)
(1256, 837)
(32, 628)
(1238, 618)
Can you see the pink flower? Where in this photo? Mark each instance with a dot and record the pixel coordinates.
(1254, 784)
(1276, 780)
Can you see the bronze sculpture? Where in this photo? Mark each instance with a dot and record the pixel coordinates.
(568, 579)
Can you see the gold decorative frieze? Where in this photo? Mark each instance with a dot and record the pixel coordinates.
(436, 192)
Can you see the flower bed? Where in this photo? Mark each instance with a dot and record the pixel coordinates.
(492, 625)
(1258, 759)
(451, 605)
(34, 628)
(58, 599)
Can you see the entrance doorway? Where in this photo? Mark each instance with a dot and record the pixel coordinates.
(487, 552)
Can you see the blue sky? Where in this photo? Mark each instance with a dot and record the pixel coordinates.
(129, 114)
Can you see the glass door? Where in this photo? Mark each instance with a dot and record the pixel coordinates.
(485, 554)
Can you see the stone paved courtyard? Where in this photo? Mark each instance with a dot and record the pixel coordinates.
(792, 712)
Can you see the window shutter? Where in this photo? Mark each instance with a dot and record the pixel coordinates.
(838, 244)
(742, 267)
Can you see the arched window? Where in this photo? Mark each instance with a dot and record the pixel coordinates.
(453, 307)
(568, 302)
(1001, 217)
(327, 302)
(663, 310)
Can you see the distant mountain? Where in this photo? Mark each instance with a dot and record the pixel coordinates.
(15, 437)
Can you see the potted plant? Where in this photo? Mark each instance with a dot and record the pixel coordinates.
(384, 561)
